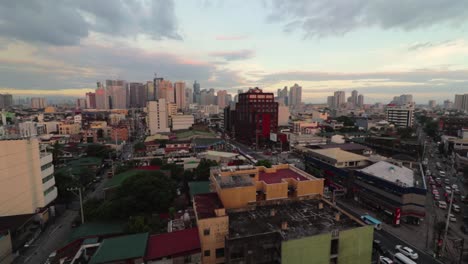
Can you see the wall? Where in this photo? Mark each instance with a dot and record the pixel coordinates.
(276, 191)
(21, 180)
(307, 250)
(309, 187)
(355, 245)
(237, 197)
(6, 256)
(219, 228)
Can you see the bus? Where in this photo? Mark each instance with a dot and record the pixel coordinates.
(371, 221)
(402, 259)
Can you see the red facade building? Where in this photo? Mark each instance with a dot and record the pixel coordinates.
(255, 117)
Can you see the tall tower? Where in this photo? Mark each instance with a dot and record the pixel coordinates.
(156, 92)
(196, 92)
(295, 95)
(179, 90)
(339, 98)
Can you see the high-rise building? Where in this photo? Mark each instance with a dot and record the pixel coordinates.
(166, 91)
(461, 102)
(157, 118)
(138, 95)
(400, 115)
(156, 89)
(403, 99)
(102, 99)
(6, 100)
(331, 102)
(283, 96)
(149, 86)
(432, 103)
(91, 100)
(33, 184)
(256, 116)
(208, 97)
(360, 100)
(196, 92)
(354, 97)
(222, 94)
(80, 103)
(38, 102)
(339, 99)
(180, 99)
(189, 96)
(448, 104)
(295, 96)
(117, 90)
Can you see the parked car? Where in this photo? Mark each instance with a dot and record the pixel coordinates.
(442, 205)
(456, 208)
(436, 197)
(407, 251)
(452, 218)
(454, 186)
(385, 260)
(447, 181)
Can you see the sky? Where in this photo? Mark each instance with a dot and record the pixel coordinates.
(380, 48)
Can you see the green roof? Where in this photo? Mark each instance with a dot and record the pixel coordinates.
(96, 229)
(206, 141)
(199, 187)
(91, 240)
(192, 133)
(121, 248)
(118, 179)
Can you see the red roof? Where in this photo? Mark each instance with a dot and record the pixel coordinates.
(178, 243)
(148, 168)
(279, 175)
(206, 203)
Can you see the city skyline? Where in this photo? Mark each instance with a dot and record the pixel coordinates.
(419, 53)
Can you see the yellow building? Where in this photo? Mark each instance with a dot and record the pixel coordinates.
(26, 177)
(49, 109)
(69, 129)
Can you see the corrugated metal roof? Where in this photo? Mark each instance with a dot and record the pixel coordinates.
(121, 248)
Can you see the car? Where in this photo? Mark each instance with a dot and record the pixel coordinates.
(454, 186)
(407, 251)
(436, 197)
(448, 192)
(456, 208)
(442, 205)
(452, 218)
(447, 181)
(442, 173)
(448, 188)
(385, 260)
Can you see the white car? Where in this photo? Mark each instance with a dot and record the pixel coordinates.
(454, 186)
(385, 260)
(407, 251)
(442, 205)
(452, 218)
(448, 188)
(456, 208)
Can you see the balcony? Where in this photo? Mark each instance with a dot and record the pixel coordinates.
(46, 185)
(50, 197)
(47, 172)
(46, 158)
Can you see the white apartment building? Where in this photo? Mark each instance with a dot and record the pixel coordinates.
(157, 118)
(27, 177)
(400, 115)
(182, 122)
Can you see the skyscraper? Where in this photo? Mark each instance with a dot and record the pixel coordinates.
(331, 101)
(38, 102)
(459, 102)
(6, 100)
(295, 96)
(102, 100)
(283, 96)
(222, 99)
(360, 100)
(157, 118)
(138, 95)
(156, 88)
(196, 92)
(354, 97)
(166, 91)
(149, 86)
(188, 96)
(117, 91)
(180, 99)
(339, 99)
(91, 100)
(432, 103)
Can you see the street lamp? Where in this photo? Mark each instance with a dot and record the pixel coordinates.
(72, 190)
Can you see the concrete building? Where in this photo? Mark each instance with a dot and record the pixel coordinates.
(38, 103)
(339, 99)
(283, 115)
(360, 100)
(180, 99)
(188, 97)
(102, 99)
(114, 119)
(295, 96)
(138, 95)
(171, 109)
(149, 87)
(400, 115)
(91, 100)
(33, 184)
(331, 101)
(182, 122)
(461, 102)
(27, 129)
(117, 91)
(166, 91)
(196, 93)
(282, 96)
(69, 129)
(221, 98)
(208, 97)
(450, 125)
(432, 104)
(6, 101)
(354, 97)
(253, 217)
(157, 118)
(448, 104)
(80, 103)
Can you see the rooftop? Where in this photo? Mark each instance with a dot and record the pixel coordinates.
(391, 173)
(345, 146)
(94, 229)
(233, 181)
(279, 175)
(339, 155)
(198, 187)
(206, 203)
(121, 248)
(303, 218)
(221, 154)
(205, 142)
(173, 244)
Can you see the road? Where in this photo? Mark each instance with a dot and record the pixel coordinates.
(56, 233)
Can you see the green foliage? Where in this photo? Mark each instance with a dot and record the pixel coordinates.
(177, 171)
(97, 150)
(62, 182)
(139, 146)
(347, 121)
(140, 224)
(202, 171)
(156, 162)
(406, 132)
(431, 128)
(57, 148)
(265, 163)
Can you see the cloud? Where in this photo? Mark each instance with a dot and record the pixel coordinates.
(322, 18)
(234, 54)
(233, 37)
(67, 22)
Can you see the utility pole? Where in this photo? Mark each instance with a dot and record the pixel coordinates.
(444, 243)
(72, 190)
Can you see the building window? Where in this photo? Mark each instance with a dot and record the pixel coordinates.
(49, 190)
(46, 179)
(220, 253)
(334, 247)
(206, 232)
(46, 166)
(206, 253)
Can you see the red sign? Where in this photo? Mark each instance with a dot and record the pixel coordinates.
(396, 220)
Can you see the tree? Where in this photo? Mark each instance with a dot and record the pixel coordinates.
(177, 171)
(156, 162)
(97, 150)
(265, 163)
(347, 121)
(406, 132)
(140, 224)
(139, 146)
(145, 193)
(431, 128)
(63, 182)
(202, 171)
(57, 148)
